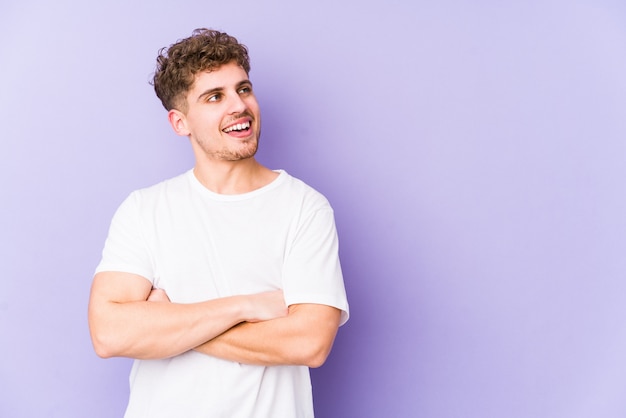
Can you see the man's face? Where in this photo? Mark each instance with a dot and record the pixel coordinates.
(223, 119)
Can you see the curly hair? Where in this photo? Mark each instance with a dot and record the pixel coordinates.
(177, 65)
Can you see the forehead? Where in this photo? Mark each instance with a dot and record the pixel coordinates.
(225, 76)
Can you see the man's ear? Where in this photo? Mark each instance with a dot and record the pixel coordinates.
(178, 121)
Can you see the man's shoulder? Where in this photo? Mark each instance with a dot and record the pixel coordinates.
(300, 189)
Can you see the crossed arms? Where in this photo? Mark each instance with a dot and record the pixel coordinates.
(126, 321)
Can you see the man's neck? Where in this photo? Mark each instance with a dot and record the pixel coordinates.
(233, 177)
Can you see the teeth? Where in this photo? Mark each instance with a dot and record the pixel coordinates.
(238, 127)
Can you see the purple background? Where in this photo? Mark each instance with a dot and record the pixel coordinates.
(474, 153)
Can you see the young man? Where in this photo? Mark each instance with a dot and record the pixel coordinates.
(223, 283)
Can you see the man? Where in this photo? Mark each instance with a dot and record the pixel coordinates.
(223, 283)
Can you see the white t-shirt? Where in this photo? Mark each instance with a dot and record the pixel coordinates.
(199, 245)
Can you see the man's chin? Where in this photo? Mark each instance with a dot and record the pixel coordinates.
(239, 155)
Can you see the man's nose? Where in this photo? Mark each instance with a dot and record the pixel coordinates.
(236, 104)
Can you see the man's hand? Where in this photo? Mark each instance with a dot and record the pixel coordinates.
(267, 305)
(262, 306)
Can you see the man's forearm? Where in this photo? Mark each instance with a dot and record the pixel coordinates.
(146, 330)
(124, 324)
(304, 337)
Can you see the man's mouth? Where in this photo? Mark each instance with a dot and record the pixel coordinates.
(237, 127)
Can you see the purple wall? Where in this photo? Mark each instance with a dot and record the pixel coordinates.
(474, 153)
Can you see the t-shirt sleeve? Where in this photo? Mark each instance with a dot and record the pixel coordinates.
(125, 248)
(312, 270)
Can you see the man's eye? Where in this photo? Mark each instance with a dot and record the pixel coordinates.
(245, 90)
(213, 98)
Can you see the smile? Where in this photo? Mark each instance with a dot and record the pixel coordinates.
(238, 127)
